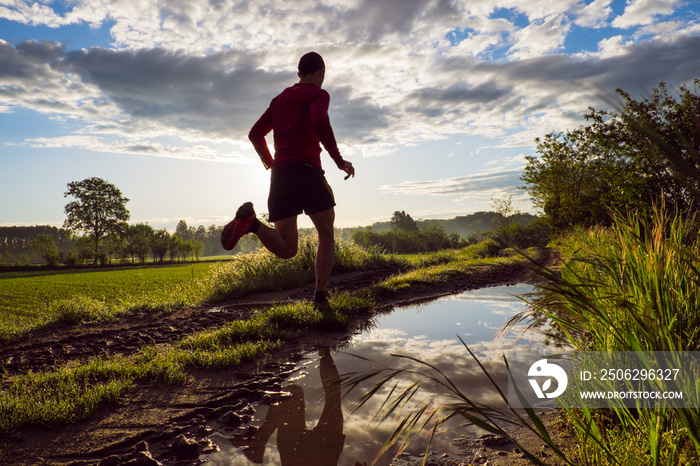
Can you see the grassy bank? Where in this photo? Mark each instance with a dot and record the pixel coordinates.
(632, 287)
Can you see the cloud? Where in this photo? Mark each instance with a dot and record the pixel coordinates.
(212, 94)
(460, 185)
(540, 38)
(643, 12)
(594, 14)
(197, 71)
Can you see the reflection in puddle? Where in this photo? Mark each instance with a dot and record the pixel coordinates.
(297, 444)
(309, 427)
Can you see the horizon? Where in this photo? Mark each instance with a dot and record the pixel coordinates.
(195, 224)
(436, 103)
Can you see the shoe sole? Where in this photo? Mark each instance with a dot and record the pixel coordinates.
(238, 227)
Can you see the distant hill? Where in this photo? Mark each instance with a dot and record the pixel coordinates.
(464, 226)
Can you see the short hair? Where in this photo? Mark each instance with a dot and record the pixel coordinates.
(310, 63)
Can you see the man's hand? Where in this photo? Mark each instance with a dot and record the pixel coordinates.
(348, 168)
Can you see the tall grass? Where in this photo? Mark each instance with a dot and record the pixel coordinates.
(263, 271)
(632, 287)
(432, 415)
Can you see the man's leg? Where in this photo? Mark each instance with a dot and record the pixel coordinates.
(323, 221)
(283, 240)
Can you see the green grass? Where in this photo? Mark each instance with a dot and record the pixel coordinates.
(28, 292)
(633, 287)
(38, 299)
(32, 299)
(70, 393)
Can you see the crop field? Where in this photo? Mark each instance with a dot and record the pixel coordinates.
(25, 297)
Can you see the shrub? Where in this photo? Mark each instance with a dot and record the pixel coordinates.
(428, 238)
(487, 248)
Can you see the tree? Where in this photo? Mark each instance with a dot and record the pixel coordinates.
(403, 221)
(160, 243)
(571, 179)
(99, 209)
(665, 130)
(174, 247)
(505, 222)
(183, 231)
(46, 247)
(113, 245)
(647, 153)
(197, 249)
(138, 240)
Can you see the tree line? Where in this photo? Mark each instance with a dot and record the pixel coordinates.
(507, 225)
(133, 243)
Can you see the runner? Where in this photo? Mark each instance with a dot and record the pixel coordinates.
(299, 120)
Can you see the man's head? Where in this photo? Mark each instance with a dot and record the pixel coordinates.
(310, 63)
(312, 69)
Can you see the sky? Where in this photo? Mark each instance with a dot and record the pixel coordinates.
(435, 102)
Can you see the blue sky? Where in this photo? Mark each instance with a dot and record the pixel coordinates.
(436, 102)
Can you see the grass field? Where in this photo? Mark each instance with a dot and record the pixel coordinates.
(29, 300)
(26, 298)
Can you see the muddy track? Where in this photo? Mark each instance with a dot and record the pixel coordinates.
(155, 422)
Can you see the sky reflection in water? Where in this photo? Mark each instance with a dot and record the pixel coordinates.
(427, 332)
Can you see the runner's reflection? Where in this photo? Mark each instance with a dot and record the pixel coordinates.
(298, 445)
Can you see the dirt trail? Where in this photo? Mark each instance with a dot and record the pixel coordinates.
(170, 425)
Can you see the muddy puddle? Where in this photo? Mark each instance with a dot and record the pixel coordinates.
(315, 422)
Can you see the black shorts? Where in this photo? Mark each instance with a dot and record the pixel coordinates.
(298, 187)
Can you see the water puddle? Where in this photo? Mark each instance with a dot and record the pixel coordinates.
(312, 426)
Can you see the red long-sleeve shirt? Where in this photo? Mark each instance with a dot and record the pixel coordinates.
(299, 120)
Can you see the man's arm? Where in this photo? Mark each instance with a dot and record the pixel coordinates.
(257, 136)
(322, 124)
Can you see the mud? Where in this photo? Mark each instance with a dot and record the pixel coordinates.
(171, 425)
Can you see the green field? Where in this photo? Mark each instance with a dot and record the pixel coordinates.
(35, 299)
(26, 298)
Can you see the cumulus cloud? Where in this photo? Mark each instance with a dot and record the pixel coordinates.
(643, 12)
(594, 14)
(198, 71)
(540, 38)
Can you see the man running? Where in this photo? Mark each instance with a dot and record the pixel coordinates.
(299, 120)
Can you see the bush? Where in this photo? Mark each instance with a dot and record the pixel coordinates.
(537, 233)
(428, 238)
(487, 248)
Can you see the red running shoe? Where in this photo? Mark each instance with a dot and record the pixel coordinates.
(239, 226)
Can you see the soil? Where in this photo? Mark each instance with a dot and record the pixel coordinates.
(170, 425)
